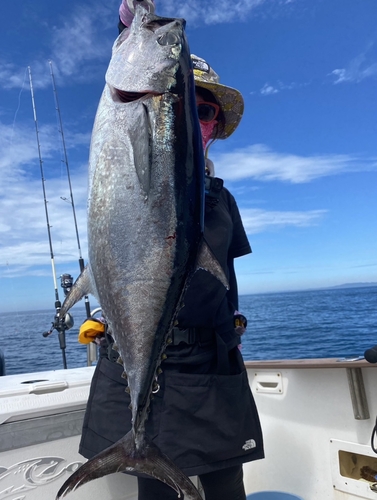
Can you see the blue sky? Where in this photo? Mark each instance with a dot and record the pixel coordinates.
(302, 164)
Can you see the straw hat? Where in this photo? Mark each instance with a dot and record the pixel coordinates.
(230, 100)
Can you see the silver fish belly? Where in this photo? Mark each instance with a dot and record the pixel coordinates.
(145, 223)
(143, 251)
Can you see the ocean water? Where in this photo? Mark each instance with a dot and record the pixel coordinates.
(338, 322)
(290, 325)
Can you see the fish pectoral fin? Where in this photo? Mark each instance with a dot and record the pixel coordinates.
(81, 287)
(142, 149)
(123, 456)
(208, 262)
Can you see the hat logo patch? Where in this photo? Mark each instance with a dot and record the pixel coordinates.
(201, 65)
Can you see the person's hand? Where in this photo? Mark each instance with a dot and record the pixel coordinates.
(91, 330)
(240, 323)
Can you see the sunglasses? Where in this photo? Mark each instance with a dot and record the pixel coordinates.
(207, 111)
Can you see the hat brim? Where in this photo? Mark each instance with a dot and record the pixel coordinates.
(231, 102)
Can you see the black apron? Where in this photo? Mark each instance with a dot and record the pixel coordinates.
(202, 421)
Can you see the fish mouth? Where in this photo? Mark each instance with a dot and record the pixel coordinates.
(126, 96)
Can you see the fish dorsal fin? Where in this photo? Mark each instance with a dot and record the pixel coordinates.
(208, 262)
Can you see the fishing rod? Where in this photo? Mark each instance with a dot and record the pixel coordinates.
(66, 279)
(65, 161)
(59, 326)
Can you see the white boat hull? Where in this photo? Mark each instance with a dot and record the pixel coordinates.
(308, 423)
(39, 437)
(314, 445)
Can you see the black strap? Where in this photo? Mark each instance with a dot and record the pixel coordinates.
(106, 347)
(191, 336)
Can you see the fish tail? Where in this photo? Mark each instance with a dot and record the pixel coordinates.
(124, 456)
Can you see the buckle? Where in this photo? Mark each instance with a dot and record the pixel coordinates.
(188, 336)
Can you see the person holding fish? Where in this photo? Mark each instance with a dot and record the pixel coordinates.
(202, 415)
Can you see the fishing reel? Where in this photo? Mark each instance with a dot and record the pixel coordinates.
(60, 325)
(66, 282)
(68, 321)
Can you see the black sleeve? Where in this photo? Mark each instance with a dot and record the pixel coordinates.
(240, 244)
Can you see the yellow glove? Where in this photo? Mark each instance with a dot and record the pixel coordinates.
(90, 330)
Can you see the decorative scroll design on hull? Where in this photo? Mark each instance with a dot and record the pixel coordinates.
(18, 479)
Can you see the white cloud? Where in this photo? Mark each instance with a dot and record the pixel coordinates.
(19, 149)
(210, 11)
(78, 46)
(353, 74)
(268, 89)
(261, 163)
(78, 42)
(12, 76)
(256, 220)
(358, 69)
(23, 226)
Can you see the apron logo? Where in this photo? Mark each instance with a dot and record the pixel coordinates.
(250, 444)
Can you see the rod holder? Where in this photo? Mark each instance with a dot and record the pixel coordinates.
(358, 395)
(91, 353)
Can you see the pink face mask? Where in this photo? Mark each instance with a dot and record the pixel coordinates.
(207, 130)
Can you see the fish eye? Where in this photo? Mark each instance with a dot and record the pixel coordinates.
(168, 39)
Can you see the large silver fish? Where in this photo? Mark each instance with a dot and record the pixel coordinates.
(145, 223)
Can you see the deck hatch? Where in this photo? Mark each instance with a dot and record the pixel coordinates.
(348, 465)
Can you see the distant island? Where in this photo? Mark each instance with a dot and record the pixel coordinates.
(353, 285)
(335, 287)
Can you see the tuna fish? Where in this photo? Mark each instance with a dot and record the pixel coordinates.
(145, 223)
